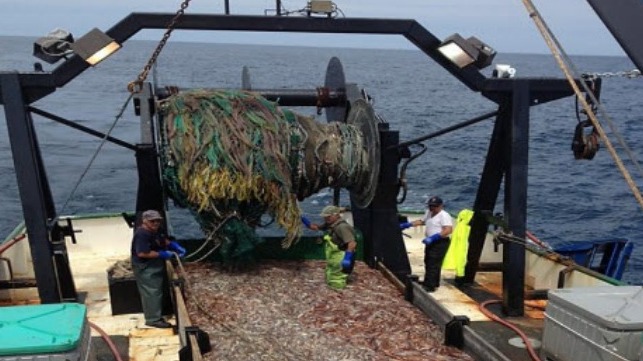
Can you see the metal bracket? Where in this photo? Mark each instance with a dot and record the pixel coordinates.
(180, 283)
(58, 232)
(408, 289)
(203, 341)
(454, 331)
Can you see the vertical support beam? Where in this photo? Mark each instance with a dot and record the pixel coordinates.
(513, 266)
(35, 195)
(379, 222)
(150, 190)
(487, 195)
(145, 108)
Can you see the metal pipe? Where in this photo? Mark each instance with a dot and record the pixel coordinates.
(82, 128)
(10, 243)
(291, 97)
(446, 130)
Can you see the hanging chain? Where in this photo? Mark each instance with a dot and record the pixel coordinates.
(634, 73)
(136, 85)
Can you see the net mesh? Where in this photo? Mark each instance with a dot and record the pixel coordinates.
(232, 156)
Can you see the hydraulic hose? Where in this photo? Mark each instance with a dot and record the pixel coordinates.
(6, 245)
(108, 341)
(491, 315)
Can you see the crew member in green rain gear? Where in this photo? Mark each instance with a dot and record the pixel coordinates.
(340, 244)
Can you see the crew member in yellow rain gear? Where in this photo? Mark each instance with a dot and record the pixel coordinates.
(340, 244)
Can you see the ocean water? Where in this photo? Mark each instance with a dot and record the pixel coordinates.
(568, 200)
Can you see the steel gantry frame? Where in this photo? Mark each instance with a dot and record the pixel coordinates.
(507, 156)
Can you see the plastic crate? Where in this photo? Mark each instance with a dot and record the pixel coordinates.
(52, 332)
(597, 323)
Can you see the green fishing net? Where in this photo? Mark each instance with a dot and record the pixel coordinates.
(233, 156)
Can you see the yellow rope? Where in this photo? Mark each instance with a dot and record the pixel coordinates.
(549, 39)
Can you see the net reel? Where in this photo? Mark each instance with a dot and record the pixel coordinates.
(238, 152)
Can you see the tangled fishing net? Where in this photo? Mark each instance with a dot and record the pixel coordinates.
(232, 156)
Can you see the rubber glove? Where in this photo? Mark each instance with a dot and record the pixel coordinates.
(305, 221)
(405, 225)
(174, 246)
(347, 262)
(166, 255)
(431, 239)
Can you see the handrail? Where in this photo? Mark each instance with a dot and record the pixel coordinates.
(5, 246)
(188, 340)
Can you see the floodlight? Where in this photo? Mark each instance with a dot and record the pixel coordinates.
(463, 52)
(95, 46)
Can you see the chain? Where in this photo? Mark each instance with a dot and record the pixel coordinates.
(137, 85)
(634, 73)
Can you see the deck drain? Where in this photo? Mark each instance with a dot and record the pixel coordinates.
(517, 342)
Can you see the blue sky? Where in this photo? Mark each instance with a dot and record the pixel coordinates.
(503, 24)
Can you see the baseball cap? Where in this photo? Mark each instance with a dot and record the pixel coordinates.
(151, 215)
(435, 201)
(330, 210)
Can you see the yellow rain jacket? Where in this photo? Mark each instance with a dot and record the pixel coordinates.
(456, 257)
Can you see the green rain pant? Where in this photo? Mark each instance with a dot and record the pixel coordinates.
(335, 278)
(149, 280)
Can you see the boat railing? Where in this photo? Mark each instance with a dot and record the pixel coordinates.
(605, 256)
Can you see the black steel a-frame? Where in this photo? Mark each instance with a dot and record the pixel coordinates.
(507, 156)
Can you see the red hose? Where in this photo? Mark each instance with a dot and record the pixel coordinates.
(108, 340)
(536, 240)
(5, 246)
(491, 315)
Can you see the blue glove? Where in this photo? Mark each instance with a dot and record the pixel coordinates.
(165, 255)
(305, 221)
(347, 262)
(431, 239)
(173, 246)
(405, 225)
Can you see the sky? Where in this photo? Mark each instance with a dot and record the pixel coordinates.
(502, 24)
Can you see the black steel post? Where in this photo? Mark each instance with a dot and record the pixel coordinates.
(37, 203)
(150, 190)
(513, 270)
(487, 195)
(379, 222)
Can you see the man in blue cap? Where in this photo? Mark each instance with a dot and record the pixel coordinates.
(439, 226)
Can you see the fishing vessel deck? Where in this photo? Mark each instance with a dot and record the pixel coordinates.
(508, 271)
(104, 240)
